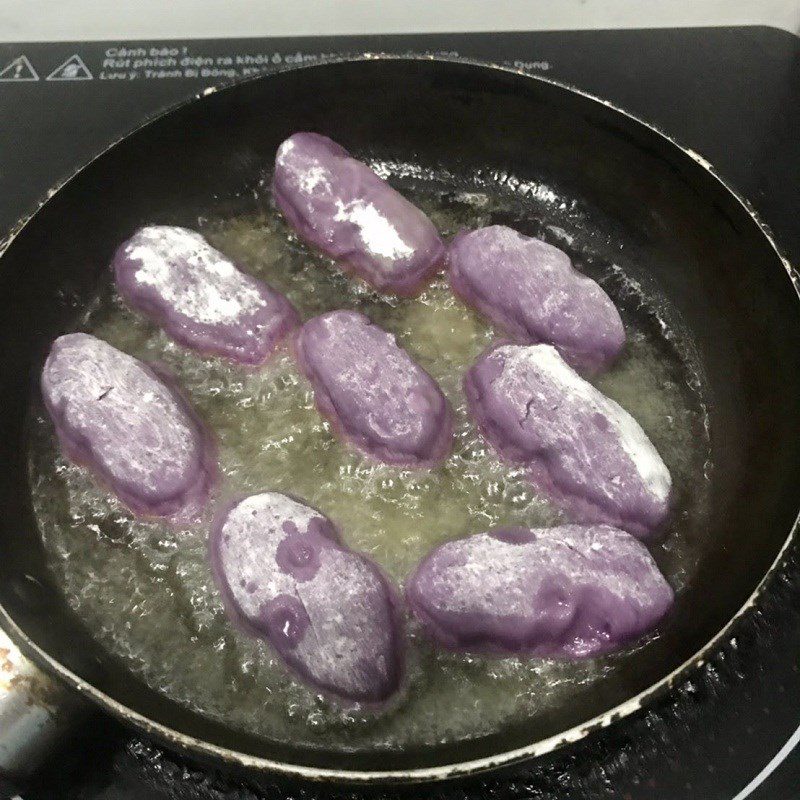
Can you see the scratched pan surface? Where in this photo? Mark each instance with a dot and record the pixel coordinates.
(633, 209)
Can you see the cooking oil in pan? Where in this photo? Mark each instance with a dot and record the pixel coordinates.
(145, 590)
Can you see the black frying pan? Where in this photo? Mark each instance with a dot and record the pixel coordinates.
(693, 239)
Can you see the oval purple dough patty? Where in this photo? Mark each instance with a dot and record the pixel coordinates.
(137, 433)
(340, 206)
(329, 612)
(373, 392)
(581, 448)
(200, 298)
(570, 592)
(531, 290)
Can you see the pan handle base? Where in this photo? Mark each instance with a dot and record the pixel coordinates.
(36, 713)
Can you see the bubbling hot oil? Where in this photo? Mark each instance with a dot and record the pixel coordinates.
(145, 590)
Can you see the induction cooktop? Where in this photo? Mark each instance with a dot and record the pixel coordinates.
(730, 94)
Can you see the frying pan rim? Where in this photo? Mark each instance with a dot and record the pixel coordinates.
(191, 744)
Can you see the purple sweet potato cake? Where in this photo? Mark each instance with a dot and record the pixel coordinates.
(568, 592)
(531, 290)
(129, 426)
(373, 392)
(341, 207)
(328, 611)
(581, 448)
(199, 297)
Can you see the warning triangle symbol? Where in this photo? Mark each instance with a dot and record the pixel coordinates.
(20, 69)
(73, 69)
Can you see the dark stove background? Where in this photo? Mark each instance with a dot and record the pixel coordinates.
(731, 94)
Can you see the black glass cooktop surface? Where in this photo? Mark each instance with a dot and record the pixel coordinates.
(732, 95)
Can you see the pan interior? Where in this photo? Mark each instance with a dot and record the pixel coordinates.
(157, 580)
(672, 257)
